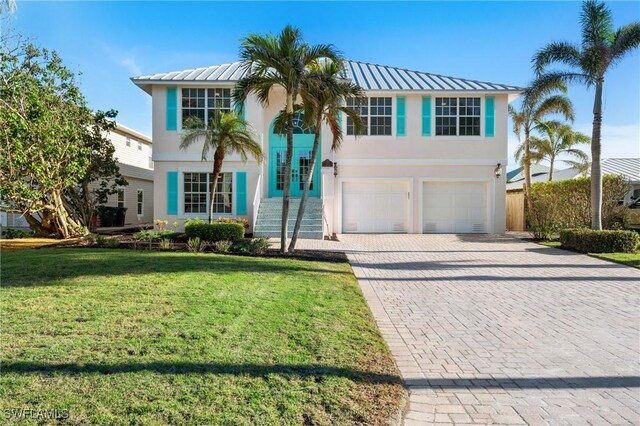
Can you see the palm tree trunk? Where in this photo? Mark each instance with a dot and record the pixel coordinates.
(526, 165)
(307, 187)
(287, 176)
(551, 162)
(596, 170)
(218, 159)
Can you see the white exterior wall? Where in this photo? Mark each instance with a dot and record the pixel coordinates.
(131, 201)
(138, 154)
(412, 157)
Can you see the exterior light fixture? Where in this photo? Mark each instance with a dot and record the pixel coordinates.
(498, 171)
(335, 169)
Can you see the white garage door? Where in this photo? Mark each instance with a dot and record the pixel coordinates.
(375, 207)
(454, 207)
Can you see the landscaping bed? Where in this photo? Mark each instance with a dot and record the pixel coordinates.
(124, 336)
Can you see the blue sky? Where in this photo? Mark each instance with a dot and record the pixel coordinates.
(111, 41)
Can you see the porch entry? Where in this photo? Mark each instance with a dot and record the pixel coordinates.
(302, 147)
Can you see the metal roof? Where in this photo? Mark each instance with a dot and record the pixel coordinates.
(370, 77)
(516, 175)
(627, 167)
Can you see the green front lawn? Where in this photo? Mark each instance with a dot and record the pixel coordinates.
(123, 337)
(629, 259)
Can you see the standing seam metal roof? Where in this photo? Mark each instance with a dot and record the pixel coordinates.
(368, 76)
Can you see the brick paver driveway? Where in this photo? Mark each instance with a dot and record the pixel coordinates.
(496, 330)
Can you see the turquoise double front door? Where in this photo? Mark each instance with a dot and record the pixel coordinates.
(302, 149)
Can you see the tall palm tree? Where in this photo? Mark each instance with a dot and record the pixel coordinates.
(279, 61)
(540, 100)
(600, 49)
(559, 139)
(226, 133)
(323, 94)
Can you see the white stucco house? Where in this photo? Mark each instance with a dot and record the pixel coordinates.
(426, 165)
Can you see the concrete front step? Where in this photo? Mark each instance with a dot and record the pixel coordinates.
(301, 235)
(268, 222)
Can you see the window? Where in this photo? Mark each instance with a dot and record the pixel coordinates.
(150, 162)
(203, 103)
(139, 146)
(140, 202)
(196, 193)
(128, 141)
(120, 197)
(457, 116)
(376, 114)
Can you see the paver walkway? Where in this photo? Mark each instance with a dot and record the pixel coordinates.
(495, 330)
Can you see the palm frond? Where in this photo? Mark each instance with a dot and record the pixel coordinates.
(556, 52)
(626, 39)
(596, 23)
(557, 104)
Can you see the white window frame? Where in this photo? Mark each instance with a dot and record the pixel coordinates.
(369, 116)
(120, 191)
(457, 95)
(206, 102)
(139, 204)
(127, 141)
(139, 146)
(181, 194)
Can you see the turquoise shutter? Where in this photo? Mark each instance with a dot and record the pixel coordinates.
(242, 111)
(172, 193)
(241, 193)
(400, 116)
(489, 116)
(426, 116)
(172, 108)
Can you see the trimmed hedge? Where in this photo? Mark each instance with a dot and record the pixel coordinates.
(214, 232)
(590, 241)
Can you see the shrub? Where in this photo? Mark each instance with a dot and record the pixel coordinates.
(590, 241)
(567, 204)
(151, 235)
(258, 246)
(196, 245)
(242, 221)
(242, 246)
(10, 234)
(107, 242)
(165, 244)
(222, 246)
(213, 232)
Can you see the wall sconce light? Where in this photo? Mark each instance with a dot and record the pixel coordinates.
(335, 169)
(498, 171)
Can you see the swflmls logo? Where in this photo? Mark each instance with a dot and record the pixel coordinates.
(36, 414)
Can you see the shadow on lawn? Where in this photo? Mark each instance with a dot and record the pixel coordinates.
(49, 266)
(316, 371)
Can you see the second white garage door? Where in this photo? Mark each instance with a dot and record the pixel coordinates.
(375, 207)
(454, 207)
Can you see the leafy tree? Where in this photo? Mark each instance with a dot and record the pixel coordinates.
(323, 93)
(540, 100)
(51, 144)
(226, 133)
(559, 139)
(280, 61)
(600, 49)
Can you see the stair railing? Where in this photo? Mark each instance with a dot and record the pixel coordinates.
(256, 201)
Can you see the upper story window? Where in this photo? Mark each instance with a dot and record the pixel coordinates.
(457, 116)
(139, 146)
(376, 114)
(203, 103)
(128, 141)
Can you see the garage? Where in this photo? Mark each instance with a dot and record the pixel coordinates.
(375, 206)
(454, 207)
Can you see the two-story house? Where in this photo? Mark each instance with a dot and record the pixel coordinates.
(430, 161)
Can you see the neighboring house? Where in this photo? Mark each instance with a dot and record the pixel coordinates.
(627, 167)
(133, 151)
(427, 164)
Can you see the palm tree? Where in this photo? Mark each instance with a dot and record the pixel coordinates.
(559, 139)
(226, 133)
(540, 100)
(279, 61)
(323, 94)
(600, 49)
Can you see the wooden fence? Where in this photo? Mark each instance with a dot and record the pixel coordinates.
(515, 210)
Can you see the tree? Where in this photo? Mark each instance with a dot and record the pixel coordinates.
(51, 144)
(600, 49)
(226, 133)
(279, 61)
(323, 93)
(540, 100)
(559, 139)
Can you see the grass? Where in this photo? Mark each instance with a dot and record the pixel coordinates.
(629, 259)
(124, 337)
